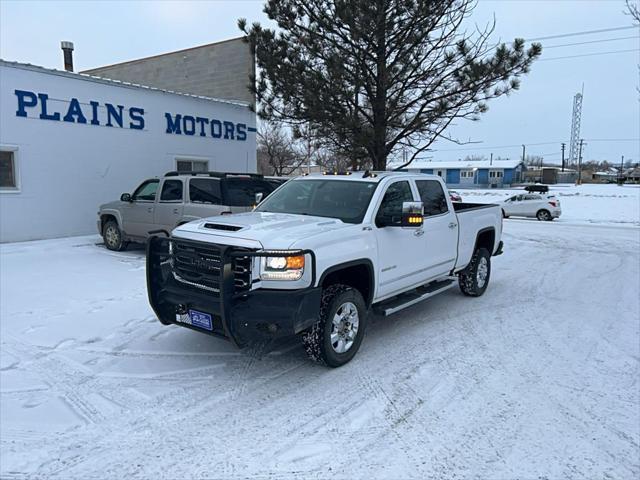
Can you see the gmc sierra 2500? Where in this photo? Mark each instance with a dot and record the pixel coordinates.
(319, 253)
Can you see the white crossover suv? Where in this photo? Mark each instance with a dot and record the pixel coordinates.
(540, 206)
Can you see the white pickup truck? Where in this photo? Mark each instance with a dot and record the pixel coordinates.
(317, 255)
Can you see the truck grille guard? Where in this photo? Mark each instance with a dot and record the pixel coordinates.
(214, 274)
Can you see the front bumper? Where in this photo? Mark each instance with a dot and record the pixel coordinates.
(240, 316)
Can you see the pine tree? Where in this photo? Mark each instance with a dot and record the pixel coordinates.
(374, 76)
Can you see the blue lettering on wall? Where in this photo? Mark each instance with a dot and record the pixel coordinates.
(94, 113)
(44, 115)
(137, 118)
(113, 115)
(241, 131)
(228, 130)
(74, 110)
(173, 124)
(202, 121)
(25, 99)
(189, 125)
(216, 128)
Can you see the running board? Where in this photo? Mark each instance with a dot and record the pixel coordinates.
(405, 300)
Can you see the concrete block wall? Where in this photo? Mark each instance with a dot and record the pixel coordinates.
(218, 70)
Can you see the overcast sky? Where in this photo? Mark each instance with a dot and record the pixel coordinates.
(108, 32)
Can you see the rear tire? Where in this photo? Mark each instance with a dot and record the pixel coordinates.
(337, 334)
(474, 279)
(544, 216)
(113, 238)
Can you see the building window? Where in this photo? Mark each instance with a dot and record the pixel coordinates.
(8, 170)
(466, 173)
(440, 173)
(192, 165)
(495, 174)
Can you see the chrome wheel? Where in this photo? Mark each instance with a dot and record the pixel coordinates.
(112, 236)
(482, 272)
(344, 327)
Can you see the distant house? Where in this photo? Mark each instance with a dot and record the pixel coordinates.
(632, 175)
(468, 174)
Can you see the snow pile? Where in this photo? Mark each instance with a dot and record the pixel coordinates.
(538, 378)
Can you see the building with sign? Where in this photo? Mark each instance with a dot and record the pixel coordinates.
(473, 173)
(69, 142)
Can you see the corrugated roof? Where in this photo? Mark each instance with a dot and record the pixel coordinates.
(108, 81)
(465, 164)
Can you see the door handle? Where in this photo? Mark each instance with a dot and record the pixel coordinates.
(175, 210)
(150, 209)
(418, 233)
(453, 225)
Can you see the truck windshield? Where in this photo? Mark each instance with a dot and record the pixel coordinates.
(342, 199)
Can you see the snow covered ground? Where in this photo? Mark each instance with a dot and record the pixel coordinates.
(536, 379)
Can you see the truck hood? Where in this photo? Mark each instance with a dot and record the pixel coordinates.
(270, 230)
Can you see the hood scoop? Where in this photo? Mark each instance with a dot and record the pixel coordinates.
(221, 226)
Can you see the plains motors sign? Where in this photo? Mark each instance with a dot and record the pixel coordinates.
(133, 118)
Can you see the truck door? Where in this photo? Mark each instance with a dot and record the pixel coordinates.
(137, 215)
(440, 240)
(170, 206)
(398, 247)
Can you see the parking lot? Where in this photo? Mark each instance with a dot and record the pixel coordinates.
(538, 378)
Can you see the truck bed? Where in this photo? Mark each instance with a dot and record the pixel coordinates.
(465, 206)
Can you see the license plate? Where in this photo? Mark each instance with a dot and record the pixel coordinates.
(200, 319)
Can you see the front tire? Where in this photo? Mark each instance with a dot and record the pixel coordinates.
(474, 280)
(112, 236)
(337, 334)
(544, 216)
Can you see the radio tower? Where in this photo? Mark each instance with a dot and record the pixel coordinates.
(575, 128)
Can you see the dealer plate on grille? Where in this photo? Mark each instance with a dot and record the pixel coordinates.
(197, 319)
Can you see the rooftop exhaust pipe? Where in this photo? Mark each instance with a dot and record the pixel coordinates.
(67, 48)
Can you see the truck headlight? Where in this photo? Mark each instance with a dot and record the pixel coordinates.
(282, 268)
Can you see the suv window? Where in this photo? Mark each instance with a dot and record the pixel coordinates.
(241, 191)
(532, 197)
(146, 192)
(432, 196)
(390, 210)
(171, 191)
(205, 190)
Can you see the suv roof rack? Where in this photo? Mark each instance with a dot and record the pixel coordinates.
(214, 174)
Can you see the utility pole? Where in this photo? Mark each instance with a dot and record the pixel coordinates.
(523, 150)
(621, 175)
(491, 161)
(563, 146)
(580, 161)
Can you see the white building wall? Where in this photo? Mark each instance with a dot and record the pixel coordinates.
(66, 170)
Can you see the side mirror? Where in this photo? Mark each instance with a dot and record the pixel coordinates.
(259, 197)
(412, 214)
(125, 197)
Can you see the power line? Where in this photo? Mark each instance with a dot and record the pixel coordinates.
(585, 43)
(586, 32)
(558, 142)
(589, 54)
